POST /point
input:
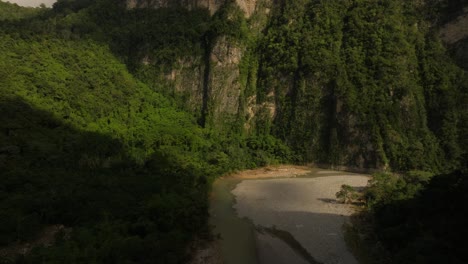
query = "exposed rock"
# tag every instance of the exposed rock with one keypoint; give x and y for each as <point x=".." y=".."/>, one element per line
<point x="456" y="29"/>
<point x="248" y="6"/>
<point x="211" y="5"/>
<point x="187" y="77"/>
<point x="210" y="86"/>
<point x="254" y="109"/>
<point x="455" y="35"/>
<point x="224" y="85"/>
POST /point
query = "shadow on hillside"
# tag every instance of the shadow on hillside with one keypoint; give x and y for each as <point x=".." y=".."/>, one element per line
<point x="52" y="173"/>
<point x="33" y="138"/>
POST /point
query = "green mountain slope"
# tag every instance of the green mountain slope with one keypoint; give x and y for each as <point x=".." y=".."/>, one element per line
<point x="367" y="81"/>
<point x="85" y="145"/>
<point x="10" y="11"/>
<point x="357" y="83"/>
<point x="114" y="121"/>
<point x="78" y="136"/>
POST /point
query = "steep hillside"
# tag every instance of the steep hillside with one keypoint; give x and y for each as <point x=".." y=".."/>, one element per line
<point x="247" y="6"/>
<point x="354" y="83"/>
<point x="14" y="12"/>
<point x="370" y="69"/>
<point x="80" y="145"/>
<point x="117" y="115"/>
<point x="87" y="147"/>
<point x="455" y="34"/>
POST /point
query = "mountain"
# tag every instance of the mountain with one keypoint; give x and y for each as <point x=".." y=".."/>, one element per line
<point x="349" y="83"/>
<point x="118" y="115"/>
<point x="247" y="6"/>
<point x="454" y="33"/>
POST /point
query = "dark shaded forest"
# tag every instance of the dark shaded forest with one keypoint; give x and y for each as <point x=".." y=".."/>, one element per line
<point x="416" y="217"/>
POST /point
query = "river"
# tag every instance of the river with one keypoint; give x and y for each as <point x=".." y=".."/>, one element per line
<point x="282" y="215"/>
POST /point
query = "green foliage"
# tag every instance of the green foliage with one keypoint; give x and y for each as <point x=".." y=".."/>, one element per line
<point x="229" y="21"/>
<point x="83" y="84"/>
<point x="347" y="194"/>
<point x="386" y="188"/>
<point x="79" y="136"/>
<point x="359" y="83"/>
<point x="162" y="36"/>
<point x="418" y="220"/>
<point x="9" y="11"/>
<point x="362" y="83"/>
<point x="354" y="82"/>
<point x="85" y="145"/>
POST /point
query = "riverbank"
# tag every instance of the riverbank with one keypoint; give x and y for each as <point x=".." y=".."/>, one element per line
<point x="288" y="214"/>
<point x="303" y="207"/>
<point x="280" y="171"/>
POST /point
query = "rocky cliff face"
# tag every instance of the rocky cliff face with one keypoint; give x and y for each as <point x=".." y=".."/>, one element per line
<point x="455" y="34"/>
<point x="334" y="90"/>
<point x="224" y="87"/>
<point x="456" y="29"/>
<point x="248" y="6"/>
<point x="211" y="5"/>
<point x="211" y="85"/>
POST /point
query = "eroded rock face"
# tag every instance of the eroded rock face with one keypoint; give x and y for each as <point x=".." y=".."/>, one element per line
<point x="455" y="35"/>
<point x="187" y="78"/>
<point x="211" y="5"/>
<point x="456" y="29"/>
<point x="224" y="85"/>
<point x="210" y="83"/>
<point x="248" y="6"/>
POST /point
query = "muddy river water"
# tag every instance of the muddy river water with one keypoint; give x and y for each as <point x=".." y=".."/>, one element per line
<point x="286" y="218"/>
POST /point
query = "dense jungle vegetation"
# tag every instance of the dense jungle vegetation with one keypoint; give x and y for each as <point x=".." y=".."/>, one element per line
<point x="364" y="83"/>
<point x="415" y="217"/>
<point x="93" y="139"/>
<point x="14" y="12"/>
<point x="85" y="144"/>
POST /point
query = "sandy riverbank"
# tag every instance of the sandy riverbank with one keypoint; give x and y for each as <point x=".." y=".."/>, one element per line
<point x="293" y="210"/>
<point x="303" y="207"/>
<point x="281" y="171"/>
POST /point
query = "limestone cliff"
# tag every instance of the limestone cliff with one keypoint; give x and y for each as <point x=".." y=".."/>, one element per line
<point x="314" y="76"/>
<point x="212" y="84"/>
<point x="248" y="6"/>
<point x="456" y="29"/>
<point x="224" y="87"/>
<point x="455" y="34"/>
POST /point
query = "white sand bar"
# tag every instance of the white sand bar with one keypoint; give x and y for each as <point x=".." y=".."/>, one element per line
<point x="304" y="207"/>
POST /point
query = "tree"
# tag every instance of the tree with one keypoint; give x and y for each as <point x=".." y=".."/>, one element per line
<point x="347" y="194"/>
